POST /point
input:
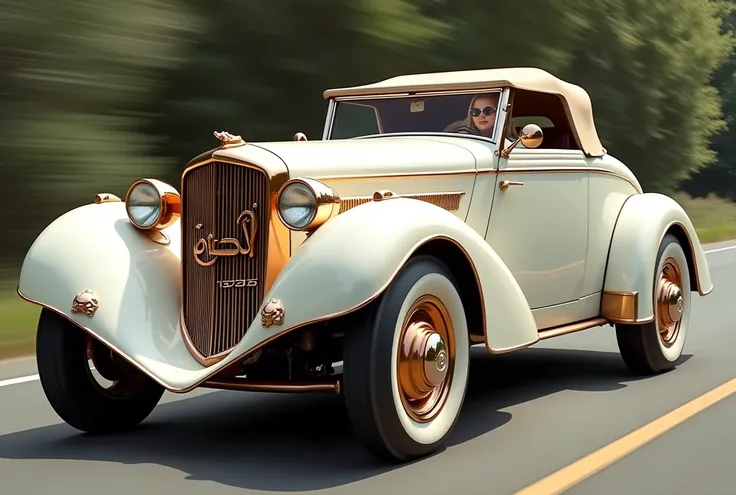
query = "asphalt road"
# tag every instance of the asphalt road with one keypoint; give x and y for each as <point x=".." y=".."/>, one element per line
<point x="527" y="415"/>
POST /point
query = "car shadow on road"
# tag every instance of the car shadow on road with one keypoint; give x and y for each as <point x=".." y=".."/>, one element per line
<point x="297" y="442"/>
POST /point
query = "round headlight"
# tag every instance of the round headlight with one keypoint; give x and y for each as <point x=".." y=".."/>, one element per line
<point x="152" y="204"/>
<point x="297" y="205"/>
<point x="305" y="204"/>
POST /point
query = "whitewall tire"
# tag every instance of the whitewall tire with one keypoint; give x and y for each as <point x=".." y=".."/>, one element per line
<point x="406" y="366"/>
<point x="654" y="347"/>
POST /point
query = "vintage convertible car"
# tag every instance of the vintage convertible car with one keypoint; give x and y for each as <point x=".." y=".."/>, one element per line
<point x="437" y="212"/>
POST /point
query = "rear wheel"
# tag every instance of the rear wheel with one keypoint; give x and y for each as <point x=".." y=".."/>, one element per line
<point x="655" y="347"/>
<point x="406" y="367"/>
<point x="63" y="353"/>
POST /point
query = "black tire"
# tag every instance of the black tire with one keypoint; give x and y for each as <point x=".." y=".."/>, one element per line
<point x="74" y="393"/>
<point x="373" y="390"/>
<point x="643" y="347"/>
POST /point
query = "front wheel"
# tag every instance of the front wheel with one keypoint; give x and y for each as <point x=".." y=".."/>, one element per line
<point x="406" y="367"/>
<point x="655" y="346"/>
<point x="63" y="352"/>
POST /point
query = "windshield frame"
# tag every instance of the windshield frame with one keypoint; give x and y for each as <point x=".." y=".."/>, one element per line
<point x="334" y="102"/>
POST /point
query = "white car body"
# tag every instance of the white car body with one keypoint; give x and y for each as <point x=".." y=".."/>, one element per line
<point x="550" y="239"/>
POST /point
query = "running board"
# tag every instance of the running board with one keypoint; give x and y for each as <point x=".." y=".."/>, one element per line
<point x="272" y="386"/>
<point x="572" y="328"/>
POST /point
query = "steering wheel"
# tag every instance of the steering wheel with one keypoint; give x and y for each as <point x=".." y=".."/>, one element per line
<point x="464" y="130"/>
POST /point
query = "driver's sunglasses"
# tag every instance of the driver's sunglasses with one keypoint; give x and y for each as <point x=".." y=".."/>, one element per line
<point x="487" y="111"/>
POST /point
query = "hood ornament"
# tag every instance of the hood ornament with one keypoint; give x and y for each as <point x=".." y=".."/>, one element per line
<point x="229" y="140"/>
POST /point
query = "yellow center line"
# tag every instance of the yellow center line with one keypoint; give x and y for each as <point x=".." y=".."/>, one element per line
<point x="589" y="465"/>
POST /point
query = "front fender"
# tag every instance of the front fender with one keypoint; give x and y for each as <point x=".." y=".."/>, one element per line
<point x="343" y="265"/>
<point x="352" y="258"/>
<point x="629" y="284"/>
<point x="137" y="282"/>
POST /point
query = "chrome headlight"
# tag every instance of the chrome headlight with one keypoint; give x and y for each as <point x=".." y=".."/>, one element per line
<point x="152" y="204"/>
<point x="305" y="204"/>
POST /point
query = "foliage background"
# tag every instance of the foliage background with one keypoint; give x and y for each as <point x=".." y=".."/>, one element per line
<point x="95" y="95"/>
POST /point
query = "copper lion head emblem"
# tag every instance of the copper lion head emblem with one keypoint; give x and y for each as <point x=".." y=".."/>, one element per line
<point x="272" y="313"/>
<point x="86" y="302"/>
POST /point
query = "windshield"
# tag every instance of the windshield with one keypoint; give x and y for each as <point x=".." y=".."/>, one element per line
<point x="456" y="113"/>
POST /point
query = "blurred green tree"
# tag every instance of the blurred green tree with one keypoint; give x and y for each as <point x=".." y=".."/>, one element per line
<point x="260" y="68"/>
<point x="76" y="79"/>
<point x="94" y="98"/>
<point x="646" y="64"/>
<point x="720" y="178"/>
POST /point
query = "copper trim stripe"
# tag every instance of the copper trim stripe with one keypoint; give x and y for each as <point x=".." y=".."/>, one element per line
<point x="568" y="170"/>
<point x="448" y="200"/>
<point x="402" y="175"/>
<point x="273" y="386"/>
<point x="695" y="276"/>
<point x="569" y="328"/>
<point x="94" y="334"/>
<point x="510" y="170"/>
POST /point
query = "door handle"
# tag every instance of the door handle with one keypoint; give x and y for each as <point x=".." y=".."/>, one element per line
<point x="505" y="184"/>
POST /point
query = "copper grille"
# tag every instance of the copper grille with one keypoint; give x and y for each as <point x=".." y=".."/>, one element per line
<point x="214" y="196"/>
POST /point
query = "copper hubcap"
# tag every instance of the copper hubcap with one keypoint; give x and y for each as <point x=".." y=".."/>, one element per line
<point x="426" y="358"/>
<point x="670" y="304"/>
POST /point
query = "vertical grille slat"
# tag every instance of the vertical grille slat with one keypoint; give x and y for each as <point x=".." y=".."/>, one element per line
<point x="214" y="196"/>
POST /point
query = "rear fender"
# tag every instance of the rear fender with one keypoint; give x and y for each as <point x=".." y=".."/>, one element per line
<point x="644" y="220"/>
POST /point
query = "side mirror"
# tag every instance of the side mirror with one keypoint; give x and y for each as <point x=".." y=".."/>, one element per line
<point x="531" y="137"/>
<point x="300" y="136"/>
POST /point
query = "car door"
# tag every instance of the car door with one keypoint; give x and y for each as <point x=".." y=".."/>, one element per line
<point x="539" y="222"/>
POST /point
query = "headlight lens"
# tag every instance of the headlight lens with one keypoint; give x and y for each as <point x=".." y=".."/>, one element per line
<point x="297" y="205"/>
<point x="144" y="205"/>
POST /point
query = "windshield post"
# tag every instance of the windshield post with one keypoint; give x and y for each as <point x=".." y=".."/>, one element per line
<point x="329" y="119"/>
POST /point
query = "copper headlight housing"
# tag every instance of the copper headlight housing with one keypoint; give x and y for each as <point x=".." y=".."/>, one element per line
<point x="305" y="204"/>
<point x="152" y="204"/>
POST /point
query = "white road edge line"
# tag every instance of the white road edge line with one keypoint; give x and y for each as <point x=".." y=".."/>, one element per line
<point x="16" y="381"/>
<point x="32" y="378"/>
<point x="719" y="249"/>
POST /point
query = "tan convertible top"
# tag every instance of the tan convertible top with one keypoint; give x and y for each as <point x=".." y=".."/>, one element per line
<point x="576" y="99"/>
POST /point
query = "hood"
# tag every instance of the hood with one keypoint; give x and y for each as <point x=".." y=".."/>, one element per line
<point x="377" y="156"/>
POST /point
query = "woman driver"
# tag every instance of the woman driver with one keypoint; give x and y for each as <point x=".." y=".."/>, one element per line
<point x="481" y="117"/>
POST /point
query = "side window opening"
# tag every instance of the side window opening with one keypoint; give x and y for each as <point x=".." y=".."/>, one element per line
<point x="548" y="112"/>
<point x="542" y="122"/>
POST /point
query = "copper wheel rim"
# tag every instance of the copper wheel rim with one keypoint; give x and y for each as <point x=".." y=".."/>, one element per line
<point x="125" y="380"/>
<point x="670" y="303"/>
<point x="426" y="359"/>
